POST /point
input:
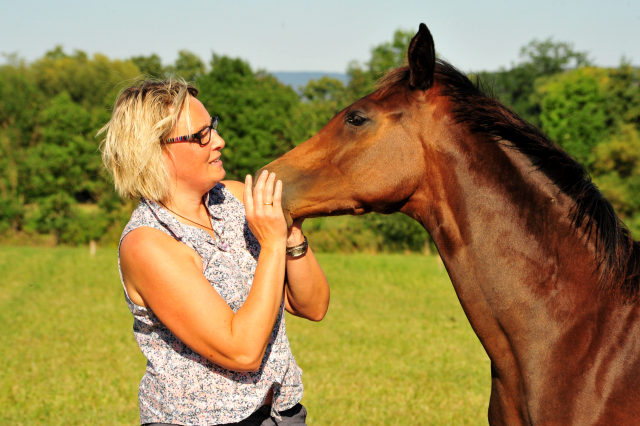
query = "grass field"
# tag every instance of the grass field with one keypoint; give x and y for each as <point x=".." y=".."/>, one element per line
<point x="394" y="349"/>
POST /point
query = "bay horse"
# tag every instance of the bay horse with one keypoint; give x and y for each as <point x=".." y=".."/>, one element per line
<point x="546" y="273"/>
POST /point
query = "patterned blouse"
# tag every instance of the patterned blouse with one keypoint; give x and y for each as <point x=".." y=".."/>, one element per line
<point x="180" y="386"/>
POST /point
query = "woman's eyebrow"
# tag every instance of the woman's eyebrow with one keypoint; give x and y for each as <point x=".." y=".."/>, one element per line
<point x="206" y="125"/>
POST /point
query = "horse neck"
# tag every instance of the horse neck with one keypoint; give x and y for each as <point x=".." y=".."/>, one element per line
<point x="505" y="235"/>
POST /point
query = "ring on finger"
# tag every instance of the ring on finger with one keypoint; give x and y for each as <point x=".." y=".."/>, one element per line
<point x="267" y="204"/>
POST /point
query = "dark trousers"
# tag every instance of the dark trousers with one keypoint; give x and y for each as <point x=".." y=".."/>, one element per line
<point x="294" y="416"/>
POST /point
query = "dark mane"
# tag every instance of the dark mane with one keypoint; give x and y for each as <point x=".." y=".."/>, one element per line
<point x="617" y="254"/>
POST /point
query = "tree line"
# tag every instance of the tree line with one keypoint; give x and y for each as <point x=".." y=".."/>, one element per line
<point x="53" y="186"/>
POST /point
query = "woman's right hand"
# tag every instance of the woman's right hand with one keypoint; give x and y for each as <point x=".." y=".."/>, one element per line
<point x="263" y="209"/>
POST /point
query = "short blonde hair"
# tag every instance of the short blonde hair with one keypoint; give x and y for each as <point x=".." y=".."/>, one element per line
<point x="143" y="117"/>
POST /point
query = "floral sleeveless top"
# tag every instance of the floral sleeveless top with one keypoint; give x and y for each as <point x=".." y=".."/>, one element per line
<point x="180" y="386"/>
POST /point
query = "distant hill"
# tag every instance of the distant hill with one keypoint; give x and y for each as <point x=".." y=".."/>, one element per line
<point x="296" y="79"/>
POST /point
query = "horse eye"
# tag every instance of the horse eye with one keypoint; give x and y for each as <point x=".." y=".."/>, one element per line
<point x="356" y="120"/>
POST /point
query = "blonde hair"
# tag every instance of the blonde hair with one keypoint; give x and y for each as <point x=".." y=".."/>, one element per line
<point x="143" y="117"/>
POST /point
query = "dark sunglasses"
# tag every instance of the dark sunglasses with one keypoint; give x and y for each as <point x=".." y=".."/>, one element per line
<point x="203" y="137"/>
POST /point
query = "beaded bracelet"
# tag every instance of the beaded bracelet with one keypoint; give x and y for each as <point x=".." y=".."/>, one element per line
<point x="299" y="250"/>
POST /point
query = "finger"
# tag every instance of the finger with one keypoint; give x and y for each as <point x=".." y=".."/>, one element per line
<point x="268" y="189"/>
<point x="277" y="197"/>
<point x="247" y="196"/>
<point x="257" y="192"/>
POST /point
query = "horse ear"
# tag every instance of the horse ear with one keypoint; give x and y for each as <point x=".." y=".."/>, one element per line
<point x="422" y="59"/>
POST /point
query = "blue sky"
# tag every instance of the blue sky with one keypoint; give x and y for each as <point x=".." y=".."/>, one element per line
<point x="318" y="35"/>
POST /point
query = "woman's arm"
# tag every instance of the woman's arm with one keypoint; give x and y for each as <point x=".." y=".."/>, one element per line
<point x="167" y="276"/>
<point x="306" y="288"/>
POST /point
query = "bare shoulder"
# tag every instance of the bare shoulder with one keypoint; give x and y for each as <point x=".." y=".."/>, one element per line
<point x="151" y="261"/>
<point x="144" y="237"/>
<point x="149" y="245"/>
<point x="235" y="187"/>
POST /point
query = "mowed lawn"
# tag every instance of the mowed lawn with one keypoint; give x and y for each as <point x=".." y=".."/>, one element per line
<point x="394" y="349"/>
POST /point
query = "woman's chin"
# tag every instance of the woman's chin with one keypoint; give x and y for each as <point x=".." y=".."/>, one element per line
<point x="219" y="175"/>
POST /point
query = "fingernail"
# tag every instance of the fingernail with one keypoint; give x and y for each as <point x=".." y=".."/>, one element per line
<point x="264" y="172"/>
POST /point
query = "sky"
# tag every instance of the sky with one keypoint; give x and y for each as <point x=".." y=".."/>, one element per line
<point x="306" y="35"/>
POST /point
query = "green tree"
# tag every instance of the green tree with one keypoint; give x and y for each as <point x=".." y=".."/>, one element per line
<point x="20" y="101"/>
<point x="539" y="59"/>
<point x="188" y="66"/>
<point x="594" y="113"/>
<point x="399" y="232"/>
<point x="573" y="111"/>
<point x="321" y="100"/>
<point x="384" y="57"/>
<point x="64" y="157"/>
<point x="255" y="112"/>
<point x="92" y="83"/>
<point x="325" y="97"/>
<point x="622" y="95"/>
<point x="616" y="171"/>
<point x="61" y="169"/>
<point x="50" y="168"/>
<point x="51" y="179"/>
<point x="150" y="66"/>
<point x="390" y="54"/>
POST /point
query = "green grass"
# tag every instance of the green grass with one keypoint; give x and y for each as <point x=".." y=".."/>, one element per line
<point x="394" y="349"/>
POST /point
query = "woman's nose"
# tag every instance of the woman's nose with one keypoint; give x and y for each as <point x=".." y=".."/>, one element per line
<point x="216" y="141"/>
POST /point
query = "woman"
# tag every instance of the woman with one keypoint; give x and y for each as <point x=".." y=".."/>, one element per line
<point x="206" y="277"/>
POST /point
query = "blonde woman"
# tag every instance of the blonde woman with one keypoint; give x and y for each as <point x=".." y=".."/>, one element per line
<point x="207" y="277"/>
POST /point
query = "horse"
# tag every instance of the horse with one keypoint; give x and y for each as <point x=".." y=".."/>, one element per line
<point x="547" y="274"/>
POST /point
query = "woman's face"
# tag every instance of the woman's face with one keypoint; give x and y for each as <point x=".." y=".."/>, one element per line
<point x="193" y="167"/>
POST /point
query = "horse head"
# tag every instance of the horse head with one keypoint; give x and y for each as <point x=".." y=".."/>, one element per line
<point x="367" y="157"/>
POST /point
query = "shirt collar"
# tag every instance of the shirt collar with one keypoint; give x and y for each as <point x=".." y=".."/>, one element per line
<point x="214" y="208"/>
<point x="176" y="227"/>
<point x="165" y="218"/>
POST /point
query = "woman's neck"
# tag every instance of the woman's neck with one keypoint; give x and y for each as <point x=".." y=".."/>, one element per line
<point x="189" y="205"/>
<point x="190" y="209"/>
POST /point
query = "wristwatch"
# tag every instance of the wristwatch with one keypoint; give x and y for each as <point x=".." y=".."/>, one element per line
<point x="299" y="250"/>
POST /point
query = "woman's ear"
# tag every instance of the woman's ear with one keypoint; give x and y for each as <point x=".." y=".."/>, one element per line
<point x="422" y="59"/>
